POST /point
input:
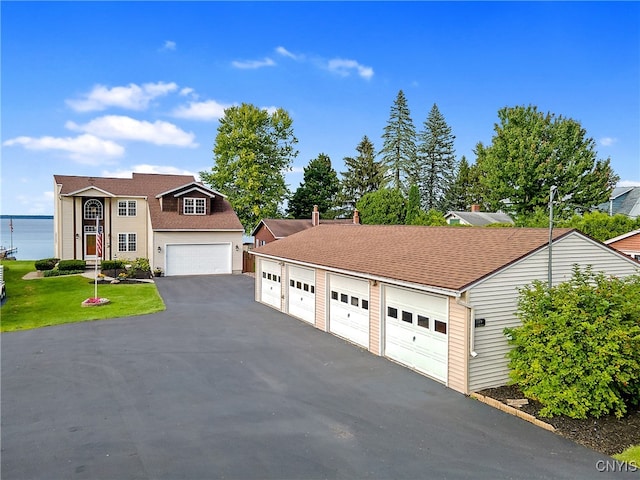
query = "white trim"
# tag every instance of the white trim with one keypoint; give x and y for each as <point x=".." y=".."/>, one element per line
<point x="90" y="187"/>
<point x="195" y="189"/>
<point x="202" y="188"/>
<point x="622" y="237"/>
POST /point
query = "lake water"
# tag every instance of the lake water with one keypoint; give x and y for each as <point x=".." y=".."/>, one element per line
<point x="33" y="236"/>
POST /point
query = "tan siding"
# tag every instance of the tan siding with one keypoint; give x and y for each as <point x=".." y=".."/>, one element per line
<point x="321" y="301"/>
<point x="458" y="347"/>
<point x="375" y="319"/>
<point x="66" y="235"/>
<point x="496" y="300"/>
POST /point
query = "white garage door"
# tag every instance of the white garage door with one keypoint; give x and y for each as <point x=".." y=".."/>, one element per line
<point x="198" y="259"/>
<point x="302" y="289"/>
<point x="349" y="309"/>
<point x="270" y="286"/>
<point x="416" y="330"/>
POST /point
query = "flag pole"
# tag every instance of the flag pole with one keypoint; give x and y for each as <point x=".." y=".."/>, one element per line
<point x="95" y="292"/>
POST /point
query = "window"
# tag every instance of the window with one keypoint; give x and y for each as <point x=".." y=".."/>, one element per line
<point x="298" y="285"/>
<point x="344" y="298"/>
<point x="269" y="276"/>
<point x="440" y="327"/>
<point x="365" y="304"/>
<point x="355" y="301"/>
<point x="313" y="290"/>
<point x="423" y="321"/>
<point x="306" y="287"/>
<point x="392" y="312"/>
<point x="454" y="221"/>
<point x="334" y="295"/>
<point x="292" y="283"/>
<point x="264" y="274"/>
<point x="92" y="210"/>
<point x="194" y="206"/>
<point x="127" y="208"/>
<point x="127" y="242"/>
<point x="407" y="317"/>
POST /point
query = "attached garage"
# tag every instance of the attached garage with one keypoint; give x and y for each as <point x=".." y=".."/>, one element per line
<point x="198" y="259"/>
<point x="270" y="283"/>
<point x="416" y="330"/>
<point x="302" y="293"/>
<point x="349" y="308"/>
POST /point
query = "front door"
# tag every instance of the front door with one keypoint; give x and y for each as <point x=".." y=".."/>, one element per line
<point x="89" y="242"/>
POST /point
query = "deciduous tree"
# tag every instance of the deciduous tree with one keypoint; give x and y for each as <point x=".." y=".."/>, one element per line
<point x="383" y="207"/>
<point x="530" y="152"/>
<point x="253" y="149"/>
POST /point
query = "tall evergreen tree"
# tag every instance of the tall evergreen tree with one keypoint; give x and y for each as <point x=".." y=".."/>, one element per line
<point x="399" y="147"/>
<point x="436" y="160"/>
<point x="465" y="189"/>
<point x="319" y="187"/>
<point x="364" y="175"/>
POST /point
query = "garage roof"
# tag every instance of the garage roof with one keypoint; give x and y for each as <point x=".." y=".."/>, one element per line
<point x="444" y="257"/>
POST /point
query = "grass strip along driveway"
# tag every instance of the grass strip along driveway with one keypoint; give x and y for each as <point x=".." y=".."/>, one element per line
<point x="49" y="301"/>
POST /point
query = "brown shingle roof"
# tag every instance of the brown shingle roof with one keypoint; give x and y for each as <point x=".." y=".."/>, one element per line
<point x="283" y="227"/>
<point x="150" y="185"/>
<point x="445" y="257"/>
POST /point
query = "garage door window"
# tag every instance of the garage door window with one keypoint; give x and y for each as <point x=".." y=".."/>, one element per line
<point x="365" y="304"/>
<point x="392" y="312"/>
<point x="334" y="295"/>
<point x="423" y="321"/>
<point x="440" y="327"/>
<point x="407" y="317"/>
<point x="355" y="301"/>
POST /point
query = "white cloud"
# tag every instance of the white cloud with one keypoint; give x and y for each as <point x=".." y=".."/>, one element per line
<point x="127" y="128"/>
<point x="607" y="141"/>
<point x="253" y="64"/>
<point x="146" y="168"/>
<point x="286" y="53"/>
<point x="207" y="110"/>
<point x="344" y="67"/>
<point x="186" y="91"/>
<point x="132" y="96"/>
<point x="87" y="148"/>
<point x="169" y="45"/>
<point x="34" y="204"/>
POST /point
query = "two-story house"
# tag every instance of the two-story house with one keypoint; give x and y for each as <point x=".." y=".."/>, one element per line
<point x="179" y="224"/>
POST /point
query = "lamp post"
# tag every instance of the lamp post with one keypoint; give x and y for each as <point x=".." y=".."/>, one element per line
<point x="550" y="267"/>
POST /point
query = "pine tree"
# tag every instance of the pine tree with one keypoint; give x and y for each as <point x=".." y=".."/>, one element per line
<point x="319" y="187"/>
<point x="436" y="160"/>
<point x="399" y="147"/>
<point x="460" y="195"/>
<point x="364" y="175"/>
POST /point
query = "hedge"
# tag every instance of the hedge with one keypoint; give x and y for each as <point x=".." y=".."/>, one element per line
<point x="46" y="264"/>
<point x="66" y="265"/>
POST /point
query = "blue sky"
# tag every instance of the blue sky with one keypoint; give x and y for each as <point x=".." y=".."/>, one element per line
<point x="92" y="88"/>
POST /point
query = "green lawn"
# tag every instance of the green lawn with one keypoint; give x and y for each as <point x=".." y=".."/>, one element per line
<point x="631" y="455"/>
<point x="52" y="301"/>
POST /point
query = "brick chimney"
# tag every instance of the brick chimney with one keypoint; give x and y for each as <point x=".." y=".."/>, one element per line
<point x="475" y="207"/>
<point x="356" y="217"/>
<point x="315" y="217"/>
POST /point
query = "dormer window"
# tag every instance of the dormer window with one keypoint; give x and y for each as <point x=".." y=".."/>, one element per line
<point x="194" y="206"/>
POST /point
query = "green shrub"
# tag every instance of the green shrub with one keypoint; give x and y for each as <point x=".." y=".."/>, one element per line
<point x="112" y="265"/>
<point x="66" y="265"/>
<point x="578" y="349"/>
<point x="57" y="273"/>
<point x="46" y="264"/>
<point x="140" y="268"/>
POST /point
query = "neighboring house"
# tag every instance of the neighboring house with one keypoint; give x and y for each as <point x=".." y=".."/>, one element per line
<point x="476" y="218"/>
<point x="629" y="244"/>
<point x="623" y="200"/>
<point x="180" y="225"/>
<point x="436" y="299"/>
<point x="271" y="229"/>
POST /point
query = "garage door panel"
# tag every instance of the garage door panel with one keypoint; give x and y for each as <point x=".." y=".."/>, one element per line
<point x="198" y="259"/>
<point x="270" y="284"/>
<point x="349" y="309"/>
<point x="416" y="331"/>
<point x="302" y="298"/>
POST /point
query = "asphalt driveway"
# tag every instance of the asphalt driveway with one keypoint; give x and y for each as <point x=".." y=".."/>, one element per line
<point x="219" y="386"/>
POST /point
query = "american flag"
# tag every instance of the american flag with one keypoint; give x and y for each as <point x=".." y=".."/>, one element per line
<point x="99" y="244"/>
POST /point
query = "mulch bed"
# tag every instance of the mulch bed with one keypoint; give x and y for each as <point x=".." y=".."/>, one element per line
<point x="608" y="434"/>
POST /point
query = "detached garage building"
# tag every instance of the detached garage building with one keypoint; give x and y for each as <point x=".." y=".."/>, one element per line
<point x="180" y="225"/>
<point x="435" y="299"/>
